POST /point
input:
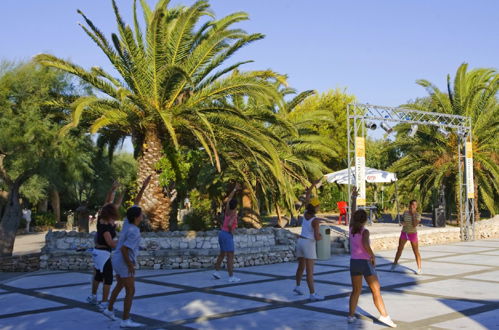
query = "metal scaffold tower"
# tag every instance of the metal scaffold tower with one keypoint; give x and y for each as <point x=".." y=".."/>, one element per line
<point x="363" y="116"/>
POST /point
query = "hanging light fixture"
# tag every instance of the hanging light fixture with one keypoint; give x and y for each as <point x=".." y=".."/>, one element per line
<point x="371" y="125"/>
<point x="412" y="132"/>
<point x="462" y="133"/>
<point x="444" y="132"/>
<point x="386" y="127"/>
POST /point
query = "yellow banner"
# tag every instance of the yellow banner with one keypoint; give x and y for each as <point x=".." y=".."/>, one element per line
<point x="360" y="147"/>
<point x="360" y="169"/>
<point x="470" y="185"/>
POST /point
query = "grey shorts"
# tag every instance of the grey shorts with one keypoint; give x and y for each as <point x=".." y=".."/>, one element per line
<point x="361" y="267"/>
<point x="305" y="248"/>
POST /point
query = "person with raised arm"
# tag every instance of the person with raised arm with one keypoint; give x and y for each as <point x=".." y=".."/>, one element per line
<point x="226" y="237"/>
<point x="306" y="244"/>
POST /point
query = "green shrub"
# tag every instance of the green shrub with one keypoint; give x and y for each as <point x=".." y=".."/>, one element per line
<point x="44" y="219"/>
<point x="198" y="220"/>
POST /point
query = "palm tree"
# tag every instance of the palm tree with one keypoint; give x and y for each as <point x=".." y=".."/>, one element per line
<point x="431" y="159"/>
<point x="171" y="88"/>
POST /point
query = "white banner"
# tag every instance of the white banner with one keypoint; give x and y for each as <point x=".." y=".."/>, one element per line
<point x="360" y="169"/>
<point x="470" y="185"/>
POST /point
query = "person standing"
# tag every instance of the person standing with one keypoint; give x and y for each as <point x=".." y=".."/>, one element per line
<point x="104" y="244"/>
<point x="226" y="237"/>
<point x="411" y="220"/>
<point x="124" y="262"/>
<point x="83" y="212"/>
<point x="306" y="248"/>
<point x="362" y="264"/>
<point x="27" y="217"/>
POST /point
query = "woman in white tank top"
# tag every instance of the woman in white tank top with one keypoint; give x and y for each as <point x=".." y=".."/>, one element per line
<point x="305" y="249"/>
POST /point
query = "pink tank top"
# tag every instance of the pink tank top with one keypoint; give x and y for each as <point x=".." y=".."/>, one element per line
<point x="357" y="250"/>
<point x="227" y="218"/>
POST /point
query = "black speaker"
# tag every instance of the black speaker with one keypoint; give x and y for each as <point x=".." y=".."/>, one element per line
<point x="439" y="217"/>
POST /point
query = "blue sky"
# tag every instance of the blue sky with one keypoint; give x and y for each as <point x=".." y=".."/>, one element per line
<point x="374" y="49"/>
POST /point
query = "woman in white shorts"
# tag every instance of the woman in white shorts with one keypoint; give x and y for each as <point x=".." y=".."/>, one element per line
<point x="305" y="249"/>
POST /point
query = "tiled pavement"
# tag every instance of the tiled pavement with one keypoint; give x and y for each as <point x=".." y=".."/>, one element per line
<point x="459" y="289"/>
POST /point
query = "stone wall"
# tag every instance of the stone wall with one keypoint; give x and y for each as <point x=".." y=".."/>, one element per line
<point x="24" y="263"/>
<point x="170" y="250"/>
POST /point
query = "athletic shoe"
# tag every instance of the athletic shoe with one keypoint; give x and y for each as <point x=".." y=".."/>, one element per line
<point x="234" y="279"/>
<point x="394" y="265"/>
<point x="315" y="297"/>
<point x="92" y="299"/>
<point x="351" y="319"/>
<point x="109" y="314"/>
<point x="128" y="323"/>
<point x="387" y="320"/>
<point x="103" y="305"/>
<point x="298" y="291"/>
<point x="419" y="272"/>
<point x="216" y="275"/>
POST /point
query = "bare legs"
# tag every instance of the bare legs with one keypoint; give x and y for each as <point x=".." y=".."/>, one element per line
<point x="372" y="281"/>
<point x="129" y="284"/>
<point x="230" y="262"/>
<point x="415" y="249"/>
<point x="307" y="264"/>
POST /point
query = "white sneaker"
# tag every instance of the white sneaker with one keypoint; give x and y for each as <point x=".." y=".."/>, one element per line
<point x="234" y="279"/>
<point x="419" y="272"/>
<point x="298" y="291"/>
<point x="92" y="299"/>
<point x="128" y="323"/>
<point x="351" y="319"/>
<point x="216" y="275"/>
<point x="315" y="297"/>
<point x="387" y="320"/>
<point x="109" y="314"/>
<point x="393" y="267"/>
<point x="103" y="305"/>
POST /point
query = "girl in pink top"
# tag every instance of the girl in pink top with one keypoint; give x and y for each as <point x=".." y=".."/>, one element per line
<point x="362" y="263"/>
<point x="226" y="237"/>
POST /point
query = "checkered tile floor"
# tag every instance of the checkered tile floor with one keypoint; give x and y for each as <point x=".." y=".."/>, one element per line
<point x="459" y="289"/>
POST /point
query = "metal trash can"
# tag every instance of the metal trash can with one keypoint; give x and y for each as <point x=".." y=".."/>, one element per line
<point x="323" y="246"/>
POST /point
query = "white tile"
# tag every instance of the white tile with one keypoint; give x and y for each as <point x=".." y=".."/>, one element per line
<point x="188" y="305"/>
<point x="436" y="268"/>
<point x="487" y="320"/>
<point x="54" y="279"/>
<point x="279" y="319"/>
<point x="81" y="292"/>
<point x="205" y="279"/>
<point x="464" y="289"/>
<point x="282" y="290"/>
<point x="73" y="319"/>
<point x="16" y="302"/>
<point x="472" y="259"/>
<point x="489" y="276"/>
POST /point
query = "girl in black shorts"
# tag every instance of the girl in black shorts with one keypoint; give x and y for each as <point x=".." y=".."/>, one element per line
<point x="104" y="243"/>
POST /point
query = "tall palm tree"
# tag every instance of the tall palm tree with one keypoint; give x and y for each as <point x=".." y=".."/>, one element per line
<point x="172" y="84"/>
<point x="432" y="160"/>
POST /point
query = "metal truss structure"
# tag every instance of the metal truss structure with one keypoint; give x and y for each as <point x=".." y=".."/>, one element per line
<point x="360" y="115"/>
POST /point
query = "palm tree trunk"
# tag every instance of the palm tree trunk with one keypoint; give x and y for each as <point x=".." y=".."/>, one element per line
<point x="155" y="203"/>
<point x="10" y="220"/>
<point x="55" y="201"/>
<point x="250" y="217"/>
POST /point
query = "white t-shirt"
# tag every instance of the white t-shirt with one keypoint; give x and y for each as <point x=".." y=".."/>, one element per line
<point x="27" y="215"/>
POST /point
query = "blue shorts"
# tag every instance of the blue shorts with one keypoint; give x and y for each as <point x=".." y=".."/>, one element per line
<point x="361" y="267"/>
<point x="226" y="241"/>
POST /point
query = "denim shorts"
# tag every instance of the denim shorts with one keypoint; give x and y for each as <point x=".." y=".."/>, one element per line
<point x="226" y="241"/>
<point x="361" y="267"/>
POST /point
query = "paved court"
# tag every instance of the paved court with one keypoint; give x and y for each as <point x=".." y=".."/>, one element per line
<point x="459" y="289"/>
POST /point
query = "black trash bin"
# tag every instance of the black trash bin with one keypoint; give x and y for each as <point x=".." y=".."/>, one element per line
<point x="439" y="217"/>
